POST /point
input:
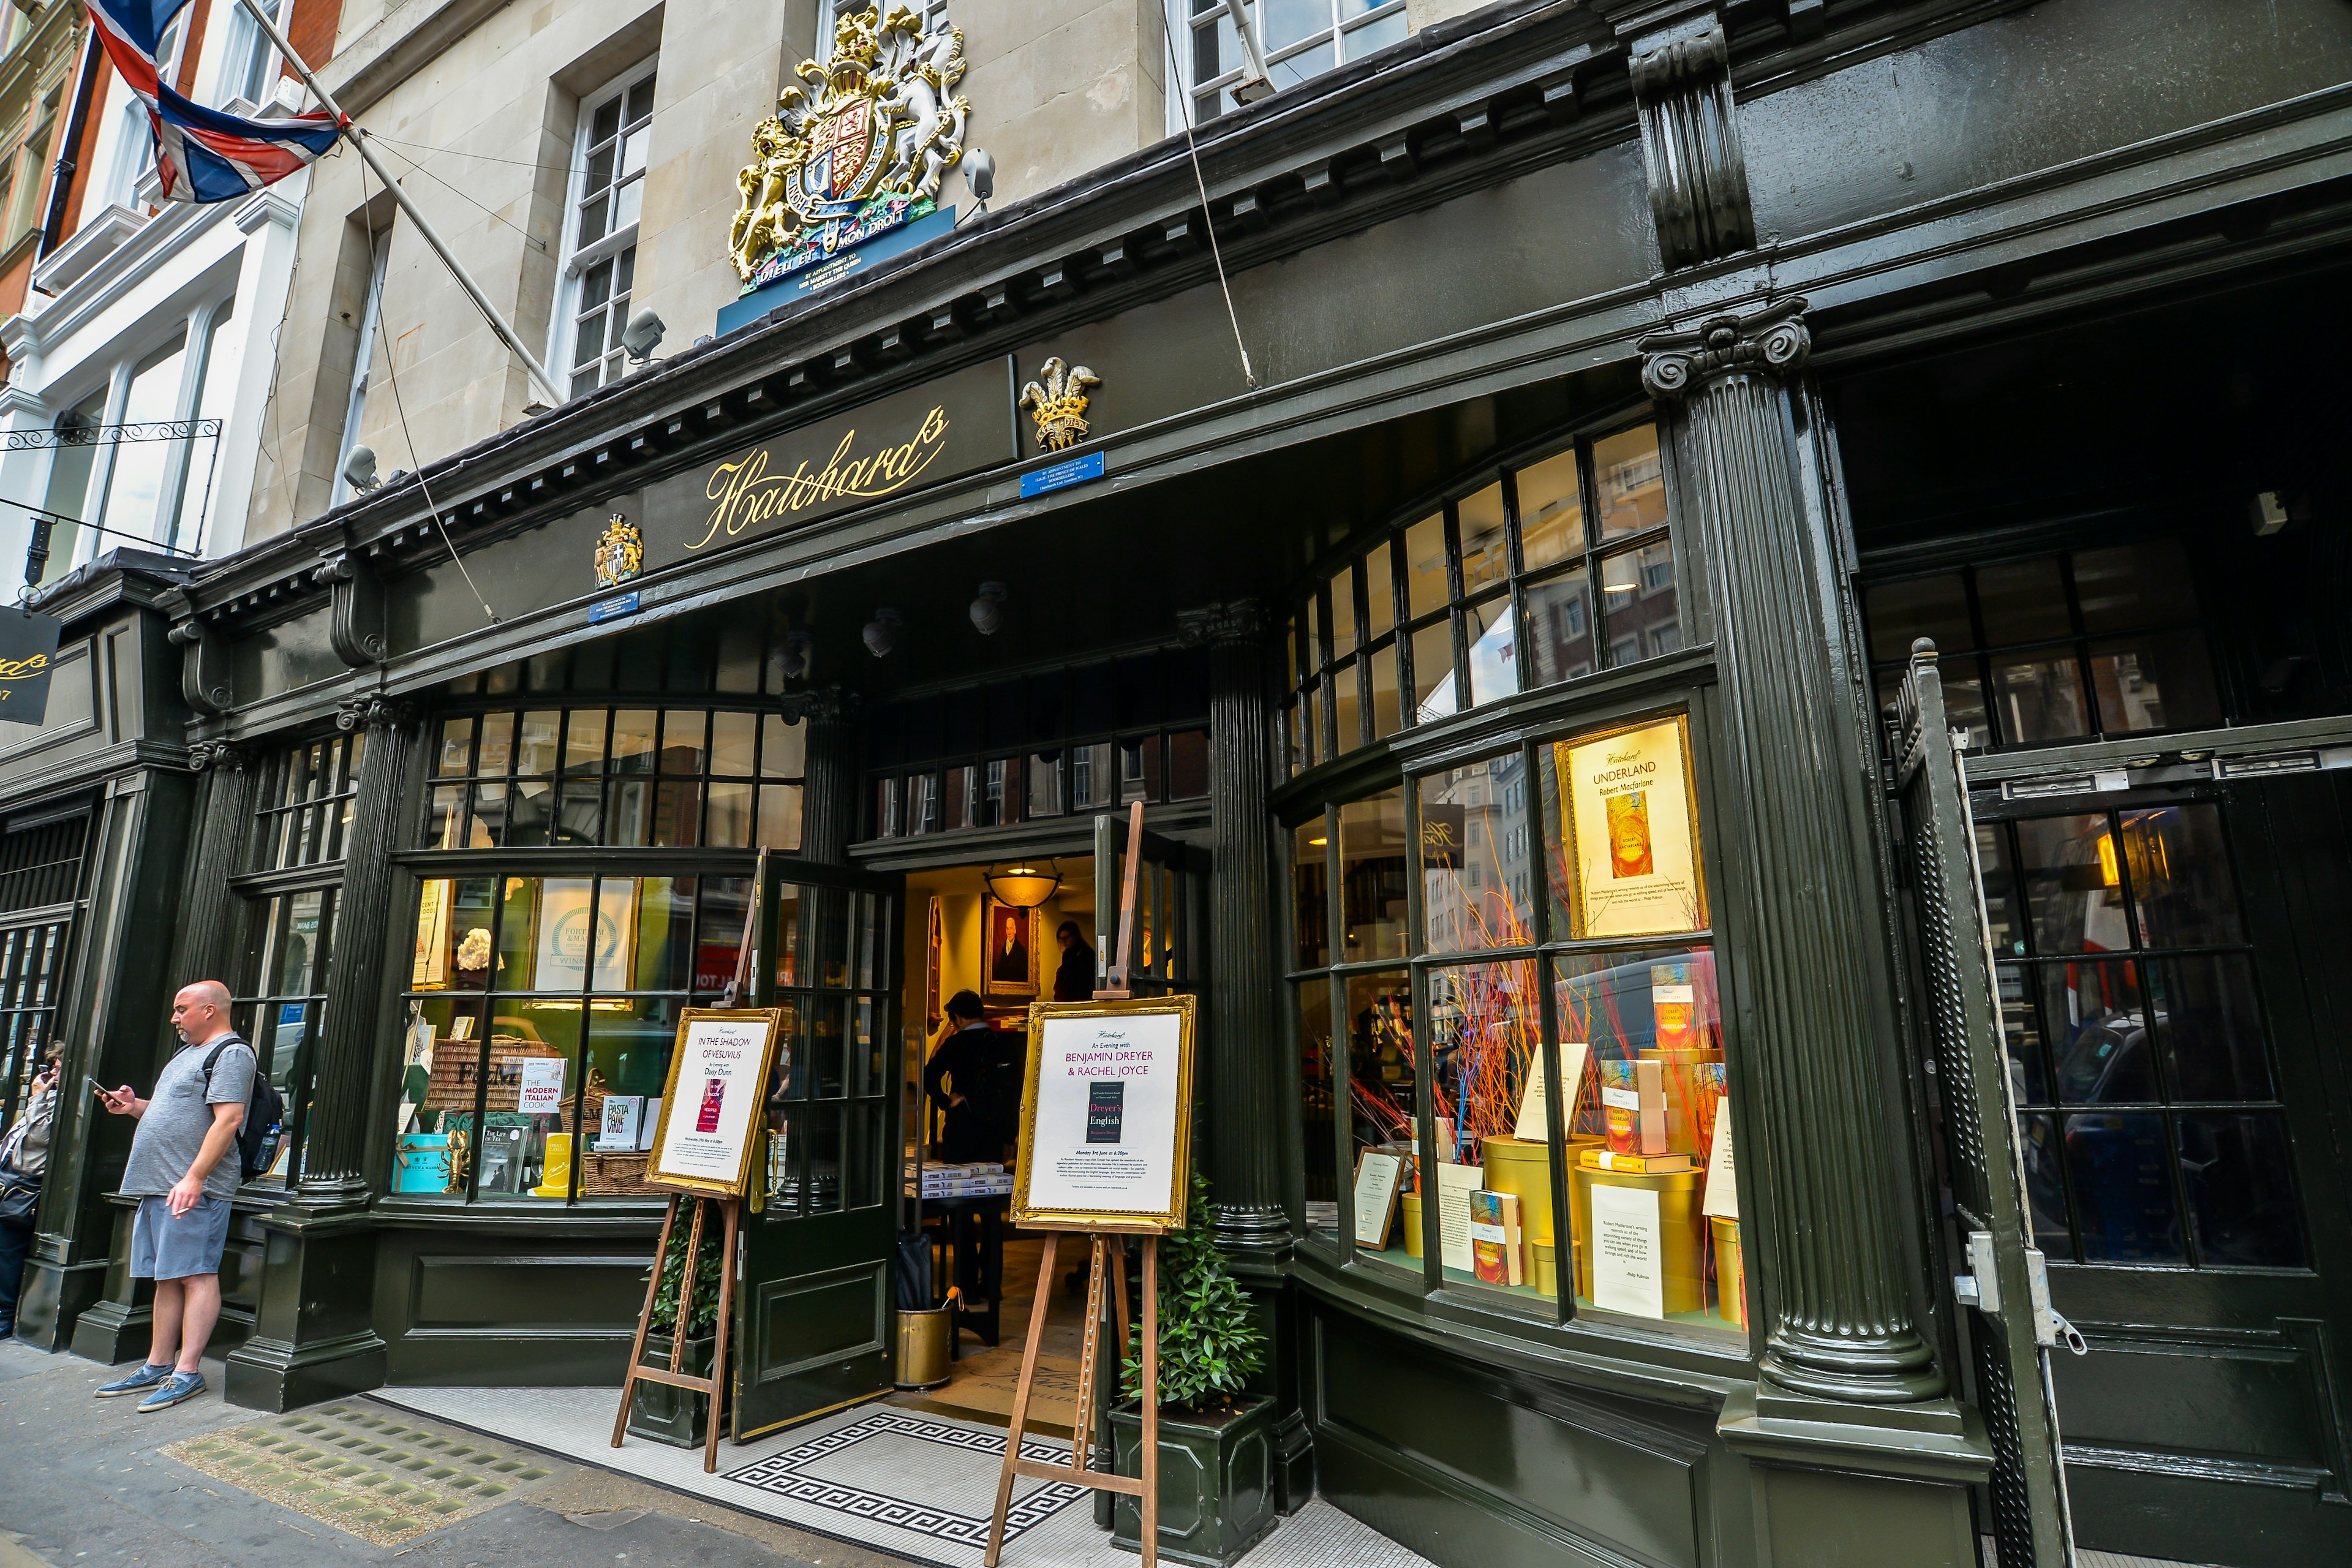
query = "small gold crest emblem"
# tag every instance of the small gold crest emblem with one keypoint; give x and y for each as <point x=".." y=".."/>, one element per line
<point x="1058" y="402"/>
<point x="620" y="554"/>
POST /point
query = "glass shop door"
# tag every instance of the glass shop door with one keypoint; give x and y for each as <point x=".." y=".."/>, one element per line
<point x="1170" y="896"/>
<point x="2173" y="987"/>
<point x="814" y="1299"/>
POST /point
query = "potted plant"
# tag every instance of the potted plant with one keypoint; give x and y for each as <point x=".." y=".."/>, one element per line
<point x="677" y="1416"/>
<point x="1216" y="1438"/>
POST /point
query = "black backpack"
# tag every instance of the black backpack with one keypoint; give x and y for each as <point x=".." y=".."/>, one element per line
<point x="256" y="1140"/>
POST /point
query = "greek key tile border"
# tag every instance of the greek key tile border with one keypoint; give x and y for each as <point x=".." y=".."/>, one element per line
<point x="780" y="1475"/>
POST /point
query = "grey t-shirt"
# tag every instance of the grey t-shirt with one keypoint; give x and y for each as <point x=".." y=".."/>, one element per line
<point x="179" y="1114"/>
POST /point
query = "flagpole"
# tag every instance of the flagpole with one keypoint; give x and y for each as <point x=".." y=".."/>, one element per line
<point x="358" y="139"/>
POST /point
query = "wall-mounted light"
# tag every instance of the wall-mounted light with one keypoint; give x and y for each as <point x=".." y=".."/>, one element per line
<point x="881" y="633"/>
<point x="1025" y="887"/>
<point x="988" y="609"/>
<point x="795" y="660"/>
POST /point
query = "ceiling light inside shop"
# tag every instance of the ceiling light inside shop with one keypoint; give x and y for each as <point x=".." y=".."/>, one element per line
<point x="1025" y="887"/>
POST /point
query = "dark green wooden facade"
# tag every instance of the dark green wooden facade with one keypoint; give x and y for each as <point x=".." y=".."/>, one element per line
<point x="1810" y="239"/>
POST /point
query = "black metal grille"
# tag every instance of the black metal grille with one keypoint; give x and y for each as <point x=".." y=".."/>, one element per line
<point x="42" y="866"/>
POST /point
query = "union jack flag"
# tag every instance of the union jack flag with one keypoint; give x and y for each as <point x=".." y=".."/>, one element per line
<point x="202" y="154"/>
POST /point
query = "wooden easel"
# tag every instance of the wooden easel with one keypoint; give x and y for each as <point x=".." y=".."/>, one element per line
<point x="711" y="1385"/>
<point x="1103" y="1249"/>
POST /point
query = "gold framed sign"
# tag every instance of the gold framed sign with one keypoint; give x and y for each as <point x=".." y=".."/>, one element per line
<point x="708" y="1139"/>
<point x="1630" y="823"/>
<point x="1107" y="1116"/>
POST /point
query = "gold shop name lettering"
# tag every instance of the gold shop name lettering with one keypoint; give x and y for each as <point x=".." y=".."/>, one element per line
<point x="23" y="668"/>
<point x="747" y="495"/>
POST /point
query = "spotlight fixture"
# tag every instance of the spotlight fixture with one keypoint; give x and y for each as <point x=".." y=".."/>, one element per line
<point x="881" y="633"/>
<point x="794" y="662"/>
<point x="642" y="336"/>
<point x="978" y="176"/>
<point x="988" y="609"/>
<point x="1023" y="886"/>
<point x="359" y="470"/>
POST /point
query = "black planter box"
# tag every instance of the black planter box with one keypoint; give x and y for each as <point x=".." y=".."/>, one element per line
<point x="667" y="1414"/>
<point x="1216" y="1481"/>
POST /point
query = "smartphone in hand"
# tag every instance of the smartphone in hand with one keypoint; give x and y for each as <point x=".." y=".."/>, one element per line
<point x="99" y="1089"/>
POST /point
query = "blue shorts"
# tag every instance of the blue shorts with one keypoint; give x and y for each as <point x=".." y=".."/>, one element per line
<point x="164" y="1246"/>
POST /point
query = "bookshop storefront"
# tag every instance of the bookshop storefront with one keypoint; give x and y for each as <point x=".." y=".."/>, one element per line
<point x="1503" y="682"/>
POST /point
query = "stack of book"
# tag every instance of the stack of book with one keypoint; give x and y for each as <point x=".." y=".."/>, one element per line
<point x="1498" y="1248"/>
<point x="981" y="1178"/>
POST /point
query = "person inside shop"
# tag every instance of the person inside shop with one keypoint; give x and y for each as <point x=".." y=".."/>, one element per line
<point x="24" y="1156"/>
<point x="1074" y="980"/>
<point x="184" y="1170"/>
<point x="974" y="1078"/>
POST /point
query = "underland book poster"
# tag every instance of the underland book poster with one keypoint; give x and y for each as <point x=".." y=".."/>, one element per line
<point x="1632" y="830"/>
<point x="1105" y="1125"/>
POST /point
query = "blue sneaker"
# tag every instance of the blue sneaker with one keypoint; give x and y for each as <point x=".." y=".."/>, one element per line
<point x="179" y="1386"/>
<point x="139" y="1382"/>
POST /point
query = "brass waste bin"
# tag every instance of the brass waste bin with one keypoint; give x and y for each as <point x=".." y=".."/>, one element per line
<point x="924" y="1338"/>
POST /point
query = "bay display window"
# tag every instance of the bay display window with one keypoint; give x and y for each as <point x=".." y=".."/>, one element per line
<point x="2066" y="646"/>
<point x="1513" y="1052"/>
<point x="672" y="776"/>
<point x="2149" y="1108"/>
<point x="1550" y="571"/>
<point x="302" y="818"/>
<point x="538" y="1025"/>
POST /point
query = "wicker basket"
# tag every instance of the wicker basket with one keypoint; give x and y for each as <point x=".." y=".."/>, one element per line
<point x="611" y="1173"/>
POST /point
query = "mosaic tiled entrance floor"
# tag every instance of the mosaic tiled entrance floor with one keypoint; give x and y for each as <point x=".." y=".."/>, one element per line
<point x="360" y="1471"/>
<point x="916" y="1485"/>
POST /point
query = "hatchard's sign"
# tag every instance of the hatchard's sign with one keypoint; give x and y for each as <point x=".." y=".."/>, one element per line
<point x="28" y="648"/>
<point x="901" y="444"/>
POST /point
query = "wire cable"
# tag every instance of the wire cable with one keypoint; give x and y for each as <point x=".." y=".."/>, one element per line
<point x="391" y="374"/>
<point x="1176" y="78"/>
<point x="416" y="167"/>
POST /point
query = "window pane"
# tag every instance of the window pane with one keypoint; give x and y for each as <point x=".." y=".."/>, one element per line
<point x="2000" y="889"/>
<point x="1188" y="759"/>
<point x="527" y="1151"/>
<point x="1092" y="783"/>
<point x="1310" y="917"/>
<point x="2211" y="1027"/>
<point x="2045" y="1186"/>
<point x="2098" y="1033"/>
<point x="490" y="816"/>
<point x="445" y="817"/>
<point x="453" y="934"/>
<point x="531" y="813"/>
<point x="1640" y="598"/>
<point x="535" y="742"/>
<point x="1380" y="35"/>
<point x="1901" y="613"/>
<point x="1387" y="710"/>
<point x="1299" y="66"/>
<point x="2181" y="877"/>
<point x="2122" y="1176"/>
<point x="1620" y="844"/>
<point x="1494" y="651"/>
<point x="1379" y="1023"/>
<point x="2020" y="1033"/>
<point x="1318" y="1102"/>
<point x="2073" y="886"/>
<point x="1551" y="511"/>
<point x="780" y="817"/>
<point x="1045" y="784"/>
<point x="1287" y="22"/>
<point x="784" y="747"/>
<point x="1344" y="709"/>
<point x="2133" y="585"/>
<point x="1473" y="860"/>
<point x="633" y="741"/>
<point x="2240" y="1190"/>
<point x="1485" y="558"/>
<point x="497" y="746"/>
<point x="1379" y="586"/>
<point x="730" y="827"/>
<point x="1372" y="871"/>
<point x="1484" y="1024"/>
<point x="677" y="813"/>
<point x="629" y="1042"/>
<point x="1559" y="616"/>
<point x="2022" y="601"/>
<point x="1432" y="672"/>
<point x="1425" y="580"/>
<point x="457" y="748"/>
<point x="1310" y="728"/>
<point x="2041" y="698"/>
<point x="583" y="741"/>
<point x="733" y="737"/>
<point x="1631" y="483"/>
<point x="1343" y="613"/>
<point x="683" y="735"/>
<point x="2154" y="682"/>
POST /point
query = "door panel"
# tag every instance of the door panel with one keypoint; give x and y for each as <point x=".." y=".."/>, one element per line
<point x="2173" y="979"/>
<point x="814" y="1303"/>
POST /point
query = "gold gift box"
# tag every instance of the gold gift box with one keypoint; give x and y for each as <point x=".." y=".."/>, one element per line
<point x="1682" y="1229"/>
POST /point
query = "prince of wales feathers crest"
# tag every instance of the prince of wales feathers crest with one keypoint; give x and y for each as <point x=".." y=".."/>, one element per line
<point x="1057" y="405"/>
<point x="860" y="148"/>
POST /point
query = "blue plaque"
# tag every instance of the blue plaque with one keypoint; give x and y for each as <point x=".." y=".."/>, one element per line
<point x="1062" y="476"/>
<point x="614" y="608"/>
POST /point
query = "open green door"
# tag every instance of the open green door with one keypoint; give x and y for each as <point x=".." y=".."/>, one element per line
<point x="813" y="1300"/>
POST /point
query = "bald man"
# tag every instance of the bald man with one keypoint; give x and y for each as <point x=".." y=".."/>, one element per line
<point x="183" y="1171"/>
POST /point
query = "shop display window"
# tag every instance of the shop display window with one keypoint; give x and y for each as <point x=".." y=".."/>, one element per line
<point x="1513" y="1059"/>
<point x="719" y="778"/>
<point x="2138" y="1050"/>
<point x="1548" y="572"/>
<point x="2062" y="646"/>
<point x="278" y="1006"/>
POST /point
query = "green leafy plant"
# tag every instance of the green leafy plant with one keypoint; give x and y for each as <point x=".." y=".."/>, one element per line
<point x="1210" y="1344"/>
<point x="703" y="1317"/>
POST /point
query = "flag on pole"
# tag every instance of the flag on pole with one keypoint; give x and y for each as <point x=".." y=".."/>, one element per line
<point x="202" y="154"/>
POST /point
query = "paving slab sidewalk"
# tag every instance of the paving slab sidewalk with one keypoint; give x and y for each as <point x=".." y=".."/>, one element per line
<point x="91" y="1482"/>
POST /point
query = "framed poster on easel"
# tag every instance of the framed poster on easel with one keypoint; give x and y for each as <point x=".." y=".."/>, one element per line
<point x="1106" y="1152"/>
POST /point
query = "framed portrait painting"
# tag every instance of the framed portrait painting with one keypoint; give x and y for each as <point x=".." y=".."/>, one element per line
<point x="1009" y="960"/>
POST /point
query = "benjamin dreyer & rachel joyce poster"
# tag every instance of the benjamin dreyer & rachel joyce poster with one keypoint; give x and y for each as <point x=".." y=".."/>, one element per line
<point x="1105" y="1130"/>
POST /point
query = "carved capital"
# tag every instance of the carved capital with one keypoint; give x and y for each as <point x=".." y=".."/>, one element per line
<point x="1773" y="340"/>
<point x="823" y="705"/>
<point x="1690" y="141"/>
<point x="373" y="710"/>
<point x="1234" y="621"/>
<point x="217" y="753"/>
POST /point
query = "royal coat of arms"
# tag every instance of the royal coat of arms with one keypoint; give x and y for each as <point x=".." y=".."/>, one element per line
<point x="620" y="554"/>
<point x="859" y="148"/>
